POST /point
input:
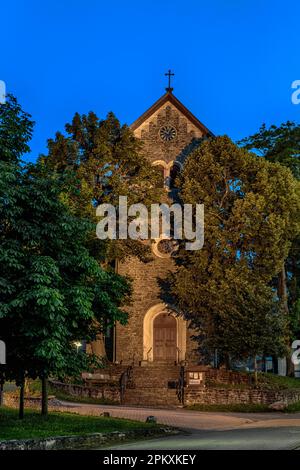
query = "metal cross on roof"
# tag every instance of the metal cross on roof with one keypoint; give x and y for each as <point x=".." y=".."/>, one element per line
<point x="169" y="74"/>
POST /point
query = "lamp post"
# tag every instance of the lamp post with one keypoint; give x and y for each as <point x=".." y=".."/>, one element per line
<point x="78" y="345"/>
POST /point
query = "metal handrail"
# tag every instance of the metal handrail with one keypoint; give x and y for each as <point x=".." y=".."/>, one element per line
<point x="180" y="385"/>
<point x="124" y="379"/>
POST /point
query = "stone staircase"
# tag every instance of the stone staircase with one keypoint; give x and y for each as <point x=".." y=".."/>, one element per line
<point x="153" y="385"/>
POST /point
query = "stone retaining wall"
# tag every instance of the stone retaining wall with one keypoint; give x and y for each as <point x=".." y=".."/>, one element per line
<point x="110" y="394"/>
<point x="12" y="401"/>
<point x="226" y="376"/>
<point x="83" y="442"/>
<point x="103" y="392"/>
<point x="220" y="396"/>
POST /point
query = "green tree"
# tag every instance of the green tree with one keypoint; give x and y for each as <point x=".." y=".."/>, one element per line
<point x="106" y="161"/>
<point x="250" y="206"/>
<point x="52" y="290"/>
<point x="282" y="145"/>
<point x="16" y="129"/>
<point x="277" y="144"/>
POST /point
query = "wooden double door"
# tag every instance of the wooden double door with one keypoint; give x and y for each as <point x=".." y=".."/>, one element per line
<point x="165" y="338"/>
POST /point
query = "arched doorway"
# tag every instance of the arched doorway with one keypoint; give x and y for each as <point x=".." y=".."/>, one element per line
<point x="148" y="331"/>
<point x="164" y="338"/>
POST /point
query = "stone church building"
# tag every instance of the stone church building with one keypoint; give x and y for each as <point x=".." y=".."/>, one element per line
<point x="153" y="360"/>
<point x="155" y="333"/>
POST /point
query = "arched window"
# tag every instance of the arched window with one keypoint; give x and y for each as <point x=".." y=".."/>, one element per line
<point x="161" y="172"/>
<point x="161" y="176"/>
<point x="174" y="172"/>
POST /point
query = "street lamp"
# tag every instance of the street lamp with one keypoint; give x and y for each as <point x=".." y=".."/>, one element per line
<point x="78" y="345"/>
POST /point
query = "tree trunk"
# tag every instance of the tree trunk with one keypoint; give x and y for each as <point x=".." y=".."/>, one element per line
<point x="275" y="364"/>
<point x="21" y="401"/>
<point x="255" y="372"/>
<point x="216" y="359"/>
<point x="282" y="289"/>
<point x="1" y="391"/>
<point x="227" y="361"/>
<point x="44" y="396"/>
<point x="289" y="365"/>
<point x="283" y="295"/>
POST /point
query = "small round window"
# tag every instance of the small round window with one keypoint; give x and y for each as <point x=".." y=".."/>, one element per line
<point x="165" y="247"/>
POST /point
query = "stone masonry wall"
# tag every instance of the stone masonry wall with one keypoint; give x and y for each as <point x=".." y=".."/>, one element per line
<point x="225" y="376"/>
<point x="146" y="294"/>
<point x="154" y="148"/>
<point x="102" y="392"/>
<point x="211" y="396"/>
<point x="147" y="277"/>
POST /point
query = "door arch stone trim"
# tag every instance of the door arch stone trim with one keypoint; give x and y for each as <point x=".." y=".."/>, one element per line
<point x="149" y="317"/>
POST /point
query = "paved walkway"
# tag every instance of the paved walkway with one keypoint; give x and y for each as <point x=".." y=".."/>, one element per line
<point x="190" y="420"/>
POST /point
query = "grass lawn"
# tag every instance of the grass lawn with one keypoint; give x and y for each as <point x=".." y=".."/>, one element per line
<point x="293" y="408"/>
<point x="277" y="382"/>
<point x="266" y="381"/>
<point x="59" y="424"/>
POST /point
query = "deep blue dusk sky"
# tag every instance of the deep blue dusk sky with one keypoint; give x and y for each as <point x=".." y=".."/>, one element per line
<point x="234" y="60"/>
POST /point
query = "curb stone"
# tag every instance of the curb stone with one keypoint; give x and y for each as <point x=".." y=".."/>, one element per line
<point x="83" y="442"/>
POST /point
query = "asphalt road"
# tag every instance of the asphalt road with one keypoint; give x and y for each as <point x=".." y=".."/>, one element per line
<point x="278" y="438"/>
<point x="206" y="430"/>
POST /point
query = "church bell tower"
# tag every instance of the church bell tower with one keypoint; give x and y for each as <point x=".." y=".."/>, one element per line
<point x="156" y="332"/>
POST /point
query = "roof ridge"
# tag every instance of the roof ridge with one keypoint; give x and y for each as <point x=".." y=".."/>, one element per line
<point x="169" y="96"/>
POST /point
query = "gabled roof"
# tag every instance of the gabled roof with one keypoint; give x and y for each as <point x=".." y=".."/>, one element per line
<point x="169" y="97"/>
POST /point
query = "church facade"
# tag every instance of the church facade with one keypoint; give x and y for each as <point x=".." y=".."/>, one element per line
<point x="153" y="359"/>
<point x="156" y="332"/>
